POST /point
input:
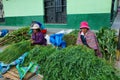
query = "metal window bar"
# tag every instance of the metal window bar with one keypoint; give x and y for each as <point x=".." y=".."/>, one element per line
<point x="58" y="5"/>
<point x="55" y="11"/>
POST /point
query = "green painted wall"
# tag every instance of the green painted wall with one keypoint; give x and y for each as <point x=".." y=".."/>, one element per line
<point x="73" y="21"/>
<point x="23" y="7"/>
<point x="22" y="20"/>
<point x="95" y="21"/>
<point x="18" y="13"/>
<point x="35" y="7"/>
<point x="88" y="6"/>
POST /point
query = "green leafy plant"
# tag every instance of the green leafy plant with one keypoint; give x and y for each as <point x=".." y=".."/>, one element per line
<point x="71" y="38"/>
<point x="106" y="38"/>
<point x="14" y="51"/>
<point x="77" y="63"/>
<point x="16" y="36"/>
<point x="39" y="55"/>
<point x="75" y="33"/>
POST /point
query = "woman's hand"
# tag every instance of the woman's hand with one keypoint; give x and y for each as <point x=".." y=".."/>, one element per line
<point x="32" y="41"/>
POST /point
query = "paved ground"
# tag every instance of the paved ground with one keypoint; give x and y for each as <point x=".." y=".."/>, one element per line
<point x="116" y="23"/>
<point x="50" y="30"/>
<point x="116" y="26"/>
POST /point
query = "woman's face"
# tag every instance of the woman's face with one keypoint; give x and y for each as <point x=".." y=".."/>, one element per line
<point x="34" y="31"/>
<point x="84" y="30"/>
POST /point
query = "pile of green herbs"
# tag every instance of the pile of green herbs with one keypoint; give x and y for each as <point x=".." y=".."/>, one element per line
<point x="77" y="63"/>
<point x="71" y="63"/>
<point x="15" y="36"/>
<point x="71" y="38"/>
<point x="108" y="45"/>
<point x="39" y="55"/>
<point x="14" y="51"/>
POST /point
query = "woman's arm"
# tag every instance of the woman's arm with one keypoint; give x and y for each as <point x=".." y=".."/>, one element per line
<point x="78" y="39"/>
<point x="92" y="41"/>
<point x="40" y="39"/>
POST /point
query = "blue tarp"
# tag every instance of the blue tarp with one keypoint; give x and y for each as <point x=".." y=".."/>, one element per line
<point x="21" y="70"/>
<point x="5" y="67"/>
<point x="56" y="40"/>
<point x="3" y="32"/>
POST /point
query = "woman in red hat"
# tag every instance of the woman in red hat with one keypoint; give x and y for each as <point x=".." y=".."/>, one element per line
<point x="88" y="38"/>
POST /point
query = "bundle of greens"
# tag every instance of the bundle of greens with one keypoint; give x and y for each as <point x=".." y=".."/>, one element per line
<point x="16" y="36"/>
<point x="77" y="63"/>
<point x="38" y="55"/>
<point x="75" y="33"/>
<point x="14" y="51"/>
<point x="71" y="38"/>
<point x="106" y="38"/>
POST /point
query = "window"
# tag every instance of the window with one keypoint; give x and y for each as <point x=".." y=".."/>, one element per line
<point x="55" y="11"/>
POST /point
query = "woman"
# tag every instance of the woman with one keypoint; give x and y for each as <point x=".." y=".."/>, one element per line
<point x="88" y="38"/>
<point x="37" y="36"/>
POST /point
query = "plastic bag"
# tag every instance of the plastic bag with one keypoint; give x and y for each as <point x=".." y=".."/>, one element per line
<point x="56" y="40"/>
